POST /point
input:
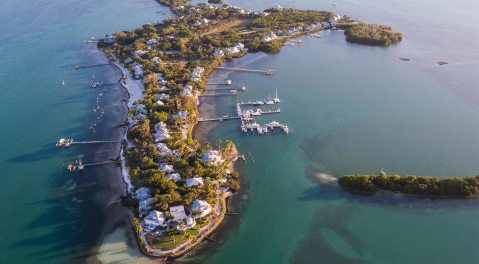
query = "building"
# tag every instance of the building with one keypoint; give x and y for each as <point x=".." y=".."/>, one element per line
<point x="200" y="208"/>
<point x="151" y="42"/>
<point x="163" y="149"/>
<point x="212" y="157"/>
<point x="167" y="168"/>
<point x="181" y="114"/>
<point x="196" y="74"/>
<point x="173" y="177"/>
<point x="162" y="96"/>
<point x="155" y="218"/>
<point x="219" y="53"/>
<point x="271" y="36"/>
<point x="178" y="213"/>
<point x="137" y="70"/>
<point x="193" y="182"/>
<point x="161" y="132"/>
<point x="188" y="90"/>
<point x="143" y="193"/>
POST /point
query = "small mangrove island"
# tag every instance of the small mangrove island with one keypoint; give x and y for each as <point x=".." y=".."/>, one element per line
<point x="180" y="185"/>
<point x="451" y="187"/>
<point x="372" y="34"/>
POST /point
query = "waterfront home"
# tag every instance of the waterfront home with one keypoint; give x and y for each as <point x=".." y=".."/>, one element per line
<point x="219" y="53"/>
<point x="334" y="20"/>
<point x="271" y="36"/>
<point x="161" y="132"/>
<point x="156" y="60"/>
<point x="137" y="70"/>
<point x="163" y="149"/>
<point x="181" y="114"/>
<point x="140" y="109"/>
<point x="173" y="177"/>
<point x="193" y="182"/>
<point x="109" y="39"/>
<point x="155" y="218"/>
<point x="145" y="205"/>
<point x="160" y="103"/>
<point x="178" y="213"/>
<point x="143" y="193"/>
<point x="196" y="74"/>
<point x="128" y="60"/>
<point x="187" y="224"/>
<point x="238" y="47"/>
<point x="166" y="167"/>
<point x="212" y="157"/>
<point x="188" y="90"/>
<point x="200" y="208"/>
<point x="205" y="21"/>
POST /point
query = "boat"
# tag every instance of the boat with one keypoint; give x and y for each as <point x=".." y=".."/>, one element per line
<point x="258" y="102"/>
<point x="316" y="35"/>
<point x="269" y="101"/>
<point x="95" y="84"/>
<point x="63" y="82"/>
<point x="228" y="82"/>
<point x="243" y="88"/>
<point x="64" y="143"/>
<point x="276" y="99"/>
<point x="258" y="112"/>
<point x="285" y="129"/>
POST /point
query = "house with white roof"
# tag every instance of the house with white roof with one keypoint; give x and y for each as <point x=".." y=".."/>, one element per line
<point x="269" y="37"/>
<point x="155" y="218"/>
<point x="196" y="74"/>
<point x="200" y="208"/>
<point x="181" y="114"/>
<point x="140" y="109"/>
<point x="173" y="177"/>
<point x="192" y="182"/>
<point x="189" y="223"/>
<point x="156" y="60"/>
<point x="161" y="132"/>
<point x="142" y="193"/>
<point x="178" y="212"/>
<point x="139" y="52"/>
<point x="188" y="90"/>
<point x="219" y="53"/>
<point x="166" y="167"/>
<point x="137" y="70"/>
<point x="163" y="149"/>
<point x="212" y="157"/>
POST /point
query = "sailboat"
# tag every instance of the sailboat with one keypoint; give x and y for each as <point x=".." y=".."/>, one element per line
<point x="63" y="82"/>
<point x="276" y="99"/>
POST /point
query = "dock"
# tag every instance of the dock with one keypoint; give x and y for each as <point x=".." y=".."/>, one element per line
<point x="68" y="142"/>
<point x="78" y="165"/>
<point x="218" y="94"/>
<point x="266" y="72"/>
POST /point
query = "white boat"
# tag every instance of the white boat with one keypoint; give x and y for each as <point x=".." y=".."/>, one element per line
<point x="228" y="82"/>
<point x="63" y="82"/>
<point x="258" y="112"/>
<point x="64" y="143"/>
<point x="276" y="99"/>
<point x="243" y="88"/>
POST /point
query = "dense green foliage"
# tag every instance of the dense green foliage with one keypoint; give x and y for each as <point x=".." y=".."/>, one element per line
<point x="215" y="1"/>
<point x="372" y="34"/>
<point x="286" y="18"/>
<point x="418" y="185"/>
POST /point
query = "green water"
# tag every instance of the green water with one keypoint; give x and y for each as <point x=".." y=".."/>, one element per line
<point x="49" y="216"/>
<point x="350" y="109"/>
<point x="356" y="109"/>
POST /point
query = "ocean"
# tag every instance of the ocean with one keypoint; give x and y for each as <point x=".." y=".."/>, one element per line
<point x="350" y="109"/>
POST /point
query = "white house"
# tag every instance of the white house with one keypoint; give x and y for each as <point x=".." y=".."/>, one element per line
<point x="189" y="223"/>
<point x="163" y="149"/>
<point x="137" y="70"/>
<point x="139" y="52"/>
<point x="143" y="193"/>
<point x="238" y="47"/>
<point x="188" y="90"/>
<point x="155" y="218"/>
<point x="156" y="60"/>
<point x="194" y="182"/>
<point x="178" y="212"/>
<point x="204" y="21"/>
<point x="161" y="132"/>
<point x="196" y="74"/>
<point x="173" y="177"/>
<point x="212" y="157"/>
<point x="270" y="36"/>
<point x="181" y="114"/>
<point x="166" y="167"/>
<point x="219" y="53"/>
<point x="200" y="208"/>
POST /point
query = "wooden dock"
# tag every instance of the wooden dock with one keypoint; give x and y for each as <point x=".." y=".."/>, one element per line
<point x="217" y="94"/>
<point x="219" y="118"/>
<point x="78" y="66"/>
<point x="266" y="72"/>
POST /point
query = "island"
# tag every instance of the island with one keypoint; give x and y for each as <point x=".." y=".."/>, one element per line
<point x="180" y="185"/>
<point x="372" y="34"/>
<point x="450" y="187"/>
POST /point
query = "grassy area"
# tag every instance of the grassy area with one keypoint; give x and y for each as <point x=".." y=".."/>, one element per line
<point x="171" y="241"/>
<point x="235" y="24"/>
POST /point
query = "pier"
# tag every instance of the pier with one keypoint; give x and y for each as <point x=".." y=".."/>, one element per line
<point x="68" y="142"/>
<point x="218" y="94"/>
<point x="78" y="165"/>
<point x="266" y="72"/>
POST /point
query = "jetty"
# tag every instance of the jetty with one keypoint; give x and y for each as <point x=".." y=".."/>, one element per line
<point x="266" y="72"/>
<point x="68" y="142"/>
<point x="232" y="92"/>
<point x="78" y="165"/>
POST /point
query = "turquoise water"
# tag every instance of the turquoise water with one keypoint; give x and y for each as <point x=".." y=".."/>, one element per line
<point x="350" y="109"/>
<point x="356" y="109"/>
<point x="48" y="215"/>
